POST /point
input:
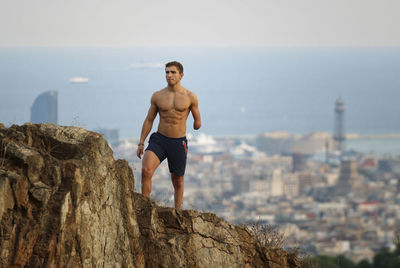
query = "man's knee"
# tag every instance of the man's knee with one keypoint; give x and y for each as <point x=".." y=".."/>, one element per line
<point x="147" y="172"/>
<point x="149" y="164"/>
<point x="177" y="181"/>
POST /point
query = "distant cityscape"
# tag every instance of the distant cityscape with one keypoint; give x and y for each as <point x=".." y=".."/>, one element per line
<point x="324" y="198"/>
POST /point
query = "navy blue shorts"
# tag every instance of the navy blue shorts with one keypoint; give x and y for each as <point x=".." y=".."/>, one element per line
<point x="174" y="149"/>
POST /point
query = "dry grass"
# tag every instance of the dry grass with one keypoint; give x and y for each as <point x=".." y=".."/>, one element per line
<point x="76" y="122"/>
<point x="268" y="236"/>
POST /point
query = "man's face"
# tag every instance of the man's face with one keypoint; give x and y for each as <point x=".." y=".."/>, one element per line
<point x="172" y="75"/>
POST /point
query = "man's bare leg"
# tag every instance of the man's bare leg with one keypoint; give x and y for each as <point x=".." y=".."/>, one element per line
<point x="177" y="181"/>
<point x="149" y="165"/>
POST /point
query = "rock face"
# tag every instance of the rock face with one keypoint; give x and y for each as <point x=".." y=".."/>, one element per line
<point x="65" y="202"/>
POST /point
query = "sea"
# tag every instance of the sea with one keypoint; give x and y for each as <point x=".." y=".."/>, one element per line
<point x="241" y="91"/>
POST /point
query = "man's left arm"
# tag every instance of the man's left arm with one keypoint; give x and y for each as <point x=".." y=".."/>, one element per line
<point x="194" y="108"/>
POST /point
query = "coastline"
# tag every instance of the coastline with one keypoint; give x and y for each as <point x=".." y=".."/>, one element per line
<point x="354" y="136"/>
<point x="382" y="144"/>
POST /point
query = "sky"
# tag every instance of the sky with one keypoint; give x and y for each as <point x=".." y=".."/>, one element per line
<point x="194" y="23"/>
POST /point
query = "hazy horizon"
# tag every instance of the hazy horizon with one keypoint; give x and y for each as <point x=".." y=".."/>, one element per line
<point x="241" y="91"/>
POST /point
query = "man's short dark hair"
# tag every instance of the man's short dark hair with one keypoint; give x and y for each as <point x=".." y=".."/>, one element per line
<point x="178" y="65"/>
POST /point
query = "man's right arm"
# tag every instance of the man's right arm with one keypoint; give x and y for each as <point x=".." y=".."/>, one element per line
<point x="147" y="125"/>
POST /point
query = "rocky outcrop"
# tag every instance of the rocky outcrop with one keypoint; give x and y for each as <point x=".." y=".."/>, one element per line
<point x="65" y="202"/>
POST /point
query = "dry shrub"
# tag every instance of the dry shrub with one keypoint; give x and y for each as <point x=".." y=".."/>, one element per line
<point x="268" y="236"/>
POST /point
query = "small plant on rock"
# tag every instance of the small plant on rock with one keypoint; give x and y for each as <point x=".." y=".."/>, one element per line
<point x="268" y="236"/>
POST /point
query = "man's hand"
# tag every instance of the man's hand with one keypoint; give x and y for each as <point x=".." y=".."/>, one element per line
<point x="140" y="151"/>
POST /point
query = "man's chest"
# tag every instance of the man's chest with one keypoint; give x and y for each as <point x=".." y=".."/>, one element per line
<point x="173" y="102"/>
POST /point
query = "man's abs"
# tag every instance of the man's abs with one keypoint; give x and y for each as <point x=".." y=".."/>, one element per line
<point x="172" y="130"/>
<point x="173" y="123"/>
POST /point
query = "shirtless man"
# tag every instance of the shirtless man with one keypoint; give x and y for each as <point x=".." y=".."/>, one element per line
<point x="173" y="103"/>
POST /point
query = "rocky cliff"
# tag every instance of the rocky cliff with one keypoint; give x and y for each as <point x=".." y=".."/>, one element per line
<point x="65" y="202"/>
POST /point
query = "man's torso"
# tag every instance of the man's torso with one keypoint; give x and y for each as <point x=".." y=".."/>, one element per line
<point x="173" y="108"/>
